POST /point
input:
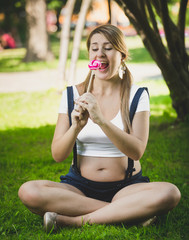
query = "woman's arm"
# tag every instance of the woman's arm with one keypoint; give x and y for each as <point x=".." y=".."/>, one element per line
<point x="134" y="144"/>
<point x="65" y="136"/>
<point x="64" y="139"/>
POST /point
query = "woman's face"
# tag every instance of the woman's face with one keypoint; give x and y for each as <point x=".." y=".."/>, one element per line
<point x="101" y="49"/>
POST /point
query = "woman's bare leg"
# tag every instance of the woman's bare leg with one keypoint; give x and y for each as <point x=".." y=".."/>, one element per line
<point x="46" y="196"/>
<point x="137" y="202"/>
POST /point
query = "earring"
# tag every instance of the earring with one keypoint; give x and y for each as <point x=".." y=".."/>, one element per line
<point x="122" y="69"/>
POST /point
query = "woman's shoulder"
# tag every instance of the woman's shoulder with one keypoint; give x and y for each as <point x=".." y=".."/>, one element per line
<point x="134" y="89"/>
<point x="77" y="89"/>
<point x="143" y="104"/>
<point x="64" y="99"/>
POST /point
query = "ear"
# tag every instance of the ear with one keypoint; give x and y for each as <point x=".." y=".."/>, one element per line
<point x="123" y="57"/>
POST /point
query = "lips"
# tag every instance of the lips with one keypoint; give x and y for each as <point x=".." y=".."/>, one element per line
<point x="98" y="65"/>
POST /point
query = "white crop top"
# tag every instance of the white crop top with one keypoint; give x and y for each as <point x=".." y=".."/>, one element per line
<point x="92" y="141"/>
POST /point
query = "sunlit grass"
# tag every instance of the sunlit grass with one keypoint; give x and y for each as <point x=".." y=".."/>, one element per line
<point x="160" y="101"/>
<point x="156" y="86"/>
<point x="28" y="109"/>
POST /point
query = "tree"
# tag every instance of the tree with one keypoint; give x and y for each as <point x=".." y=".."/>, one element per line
<point x="12" y="11"/>
<point x="112" y="15"/>
<point x="64" y="39"/>
<point x="38" y="47"/>
<point x="77" y="38"/>
<point x="13" y="19"/>
<point x="172" y="57"/>
<point x="110" y="11"/>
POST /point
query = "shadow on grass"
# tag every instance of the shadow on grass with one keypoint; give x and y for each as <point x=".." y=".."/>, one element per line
<point x="28" y="151"/>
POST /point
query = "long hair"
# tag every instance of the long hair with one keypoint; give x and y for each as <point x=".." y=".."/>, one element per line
<point x="117" y="39"/>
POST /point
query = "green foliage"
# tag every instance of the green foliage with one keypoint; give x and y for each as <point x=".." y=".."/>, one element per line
<point x="55" y="4"/>
<point x="9" y="6"/>
<point x="13" y="11"/>
<point x="26" y="130"/>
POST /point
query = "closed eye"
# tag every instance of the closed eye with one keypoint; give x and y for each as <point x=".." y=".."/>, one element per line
<point x="96" y="49"/>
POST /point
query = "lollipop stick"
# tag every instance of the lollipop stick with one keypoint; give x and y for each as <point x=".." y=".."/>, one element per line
<point x="90" y="81"/>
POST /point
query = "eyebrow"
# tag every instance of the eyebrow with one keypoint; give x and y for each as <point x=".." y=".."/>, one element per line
<point x="105" y="43"/>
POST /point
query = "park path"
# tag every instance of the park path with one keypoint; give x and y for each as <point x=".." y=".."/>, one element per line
<point x="47" y="79"/>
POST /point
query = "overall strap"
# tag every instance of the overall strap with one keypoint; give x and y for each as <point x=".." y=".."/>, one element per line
<point x="132" y="111"/>
<point x="70" y="109"/>
<point x="135" y="101"/>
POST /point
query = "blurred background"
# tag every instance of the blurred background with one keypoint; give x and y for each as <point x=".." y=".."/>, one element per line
<point x="13" y="17"/>
<point x="46" y="39"/>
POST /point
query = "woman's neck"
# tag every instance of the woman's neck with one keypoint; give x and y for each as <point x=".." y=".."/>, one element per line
<point x="105" y="87"/>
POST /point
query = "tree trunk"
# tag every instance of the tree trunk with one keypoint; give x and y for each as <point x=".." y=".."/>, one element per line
<point x="113" y="18"/>
<point x="77" y="39"/>
<point x="38" y="47"/>
<point x="113" y="13"/>
<point x="64" y="41"/>
<point x="110" y="11"/>
<point x="171" y="59"/>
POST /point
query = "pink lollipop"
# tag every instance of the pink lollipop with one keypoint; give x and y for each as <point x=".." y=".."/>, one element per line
<point x="93" y="65"/>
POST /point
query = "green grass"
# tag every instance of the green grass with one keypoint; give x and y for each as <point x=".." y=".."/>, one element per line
<point x="11" y="59"/>
<point x="26" y="130"/>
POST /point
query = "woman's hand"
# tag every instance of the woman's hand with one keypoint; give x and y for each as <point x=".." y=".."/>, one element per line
<point x="88" y="102"/>
<point x="79" y="117"/>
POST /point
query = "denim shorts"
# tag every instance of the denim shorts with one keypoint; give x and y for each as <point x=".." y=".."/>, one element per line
<point x="103" y="191"/>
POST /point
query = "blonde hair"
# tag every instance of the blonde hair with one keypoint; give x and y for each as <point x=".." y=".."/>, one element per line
<point x="117" y="39"/>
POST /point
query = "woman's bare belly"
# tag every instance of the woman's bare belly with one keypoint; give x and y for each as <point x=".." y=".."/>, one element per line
<point x="105" y="169"/>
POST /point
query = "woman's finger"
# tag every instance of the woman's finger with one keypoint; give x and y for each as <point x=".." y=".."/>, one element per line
<point x="86" y="97"/>
<point x="83" y="105"/>
<point x="79" y="108"/>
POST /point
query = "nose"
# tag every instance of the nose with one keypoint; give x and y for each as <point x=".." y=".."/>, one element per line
<point x="100" y="52"/>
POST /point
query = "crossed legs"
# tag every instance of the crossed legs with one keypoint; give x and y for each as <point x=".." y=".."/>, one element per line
<point x="134" y="203"/>
<point x="46" y="196"/>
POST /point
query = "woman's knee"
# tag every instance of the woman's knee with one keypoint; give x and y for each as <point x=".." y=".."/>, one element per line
<point x="29" y="194"/>
<point x="169" y="196"/>
<point x="175" y="195"/>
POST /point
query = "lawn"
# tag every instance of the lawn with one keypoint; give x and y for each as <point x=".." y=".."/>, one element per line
<point x="26" y="130"/>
